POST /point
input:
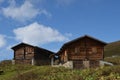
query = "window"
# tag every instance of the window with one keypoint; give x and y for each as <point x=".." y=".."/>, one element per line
<point x="29" y="49"/>
<point x="77" y="50"/>
<point x="94" y="50"/>
<point x="19" y="54"/>
<point x="28" y="53"/>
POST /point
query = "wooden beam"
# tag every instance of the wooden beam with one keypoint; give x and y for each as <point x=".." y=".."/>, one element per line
<point x="86" y="49"/>
<point x="24" y="52"/>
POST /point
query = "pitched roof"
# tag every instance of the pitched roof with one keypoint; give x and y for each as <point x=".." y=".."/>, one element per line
<point x="70" y="42"/>
<point x="22" y="44"/>
<point x="45" y="50"/>
<point x="84" y="37"/>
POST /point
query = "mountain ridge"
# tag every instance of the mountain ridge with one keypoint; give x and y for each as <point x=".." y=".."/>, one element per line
<point x="112" y="49"/>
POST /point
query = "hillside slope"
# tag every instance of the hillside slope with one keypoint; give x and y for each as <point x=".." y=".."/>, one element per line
<point x="53" y="73"/>
<point x="28" y="72"/>
<point x="112" y="49"/>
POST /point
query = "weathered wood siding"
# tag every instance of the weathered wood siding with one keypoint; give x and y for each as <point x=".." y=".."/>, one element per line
<point x="24" y="55"/>
<point x="23" y="61"/>
<point x="81" y="64"/>
<point x="19" y="53"/>
<point x="83" y="49"/>
<point x="28" y="54"/>
<point x="85" y="52"/>
<point x="42" y="57"/>
<point x="94" y="63"/>
<point x="78" y="64"/>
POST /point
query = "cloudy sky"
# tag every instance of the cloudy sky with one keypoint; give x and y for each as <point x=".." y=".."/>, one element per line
<point x="51" y="23"/>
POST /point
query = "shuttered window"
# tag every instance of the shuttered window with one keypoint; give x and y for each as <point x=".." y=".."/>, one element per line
<point x="77" y="50"/>
<point x="94" y="50"/>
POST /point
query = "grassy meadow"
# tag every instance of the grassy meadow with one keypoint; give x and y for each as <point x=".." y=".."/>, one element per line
<point x="28" y="72"/>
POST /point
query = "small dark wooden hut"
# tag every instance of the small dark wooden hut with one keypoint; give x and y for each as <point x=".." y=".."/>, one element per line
<point x="84" y="52"/>
<point x="29" y="54"/>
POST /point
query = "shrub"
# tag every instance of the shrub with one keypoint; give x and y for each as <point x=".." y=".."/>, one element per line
<point x="5" y="63"/>
<point x="26" y="76"/>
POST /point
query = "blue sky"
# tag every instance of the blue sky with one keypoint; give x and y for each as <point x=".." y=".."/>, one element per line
<point x="51" y="23"/>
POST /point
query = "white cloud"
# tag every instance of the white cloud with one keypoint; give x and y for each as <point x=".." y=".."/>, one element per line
<point x="26" y="11"/>
<point x="38" y="34"/>
<point x="2" y="41"/>
<point x="65" y="2"/>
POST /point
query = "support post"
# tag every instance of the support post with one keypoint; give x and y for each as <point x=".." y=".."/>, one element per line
<point x="52" y="61"/>
<point x="13" y="61"/>
<point x="66" y="56"/>
<point x="33" y="61"/>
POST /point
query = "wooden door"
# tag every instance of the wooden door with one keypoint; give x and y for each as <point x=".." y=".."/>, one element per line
<point x="94" y="64"/>
<point x="78" y="65"/>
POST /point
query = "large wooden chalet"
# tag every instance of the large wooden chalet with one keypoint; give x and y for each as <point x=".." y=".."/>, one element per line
<point x="29" y="54"/>
<point x="83" y="52"/>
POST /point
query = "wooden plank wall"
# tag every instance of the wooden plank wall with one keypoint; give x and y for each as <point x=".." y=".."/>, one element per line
<point x="82" y="50"/>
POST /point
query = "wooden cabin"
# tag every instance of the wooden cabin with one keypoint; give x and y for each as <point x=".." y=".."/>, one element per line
<point x="83" y="52"/>
<point x="29" y="54"/>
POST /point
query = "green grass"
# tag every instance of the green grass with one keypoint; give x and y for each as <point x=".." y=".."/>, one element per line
<point x="11" y="70"/>
<point x="27" y="72"/>
<point x="114" y="60"/>
<point x="112" y="49"/>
